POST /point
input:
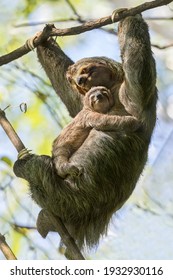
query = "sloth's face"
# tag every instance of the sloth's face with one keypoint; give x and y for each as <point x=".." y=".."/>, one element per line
<point x="99" y="99"/>
<point x="87" y="75"/>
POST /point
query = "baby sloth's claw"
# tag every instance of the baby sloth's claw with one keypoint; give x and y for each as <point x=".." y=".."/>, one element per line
<point x="74" y="171"/>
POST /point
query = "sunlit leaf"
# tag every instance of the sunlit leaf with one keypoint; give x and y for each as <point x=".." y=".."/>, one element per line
<point x="7" y="160"/>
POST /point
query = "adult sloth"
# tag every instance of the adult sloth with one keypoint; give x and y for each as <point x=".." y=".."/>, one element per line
<point x="111" y="161"/>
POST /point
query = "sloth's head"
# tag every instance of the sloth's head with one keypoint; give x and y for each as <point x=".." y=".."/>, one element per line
<point x="95" y="71"/>
<point x="99" y="99"/>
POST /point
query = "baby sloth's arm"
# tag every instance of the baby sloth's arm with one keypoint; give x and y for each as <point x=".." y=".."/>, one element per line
<point x="112" y="123"/>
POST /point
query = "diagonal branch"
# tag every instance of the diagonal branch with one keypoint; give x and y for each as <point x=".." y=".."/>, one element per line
<point x="56" y="222"/>
<point x="9" y="130"/>
<point x="6" y="250"/>
<point x="90" y="25"/>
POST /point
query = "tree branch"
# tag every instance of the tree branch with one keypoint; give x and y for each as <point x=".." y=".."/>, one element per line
<point x="60" y="20"/>
<point x="81" y="28"/>
<point x="46" y="222"/>
<point x="56" y="222"/>
<point x="6" y="250"/>
<point x="34" y="23"/>
<point x="162" y="47"/>
<point x="9" y="130"/>
<point x="75" y="11"/>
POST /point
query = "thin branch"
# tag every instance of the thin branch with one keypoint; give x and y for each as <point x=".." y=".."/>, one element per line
<point x="159" y="18"/>
<point x="60" y="20"/>
<point x="77" y="18"/>
<point x="75" y="11"/>
<point x="23" y="227"/>
<point x="47" y="32"/>
<point x="46" y="222"/>
<point x="69" y="241"/>
<point x="58" y="224"/>
<point x="25" y="24"/>
<point x="34" y="23"/>
<point x="6" y="250"/>
<point x="162" y="47"/>
<point x="9" y="130"/>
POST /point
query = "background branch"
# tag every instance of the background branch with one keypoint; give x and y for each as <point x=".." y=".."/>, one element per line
<point x="6" y="250"/>
<point x="75" y="12"/>
<point x="162" y="47"/>
<point x="60" y="20"/>
<point x="81" y="28"/>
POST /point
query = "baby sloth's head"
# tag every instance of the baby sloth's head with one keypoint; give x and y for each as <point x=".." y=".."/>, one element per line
<point x="99" y="99"/>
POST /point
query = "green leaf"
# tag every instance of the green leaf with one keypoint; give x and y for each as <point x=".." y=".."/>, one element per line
<point x="7" y="160"/>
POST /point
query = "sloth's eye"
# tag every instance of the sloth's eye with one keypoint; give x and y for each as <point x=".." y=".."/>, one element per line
<point x="83" y="71"/>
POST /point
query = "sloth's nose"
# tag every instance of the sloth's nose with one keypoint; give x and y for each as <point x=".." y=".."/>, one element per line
<point x="99" y="96"/>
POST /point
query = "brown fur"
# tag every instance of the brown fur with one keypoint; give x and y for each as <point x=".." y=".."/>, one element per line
<point x="112" y="160"/>
<point x="89" y="73"/>
<point x="97" y="102"/>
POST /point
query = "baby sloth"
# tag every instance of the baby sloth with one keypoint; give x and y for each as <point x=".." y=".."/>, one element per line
<point x="96" y="103"/>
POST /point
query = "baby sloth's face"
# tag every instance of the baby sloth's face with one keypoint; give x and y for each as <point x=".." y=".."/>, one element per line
<point x="99" y="99"/>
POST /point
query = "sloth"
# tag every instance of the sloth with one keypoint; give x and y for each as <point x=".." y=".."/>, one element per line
<point x="112" y="160"/>
<point x="97" y="102"/>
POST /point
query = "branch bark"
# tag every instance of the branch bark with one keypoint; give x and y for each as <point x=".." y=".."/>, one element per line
<point x="82" y="28"/>
<point x="56" y="222"/>
<point x="6" y="250"/>
<point x="9" y="130"/>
